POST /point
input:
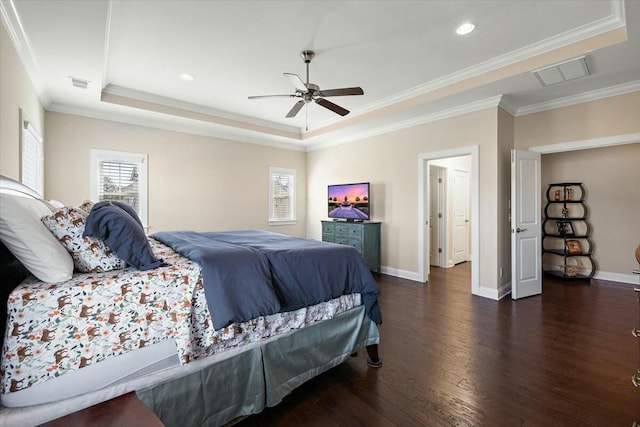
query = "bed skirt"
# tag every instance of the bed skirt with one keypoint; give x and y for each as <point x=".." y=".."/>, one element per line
<point x="247" y="382"/>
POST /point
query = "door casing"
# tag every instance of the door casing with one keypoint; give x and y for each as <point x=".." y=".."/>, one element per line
<point x="423" y="210"/>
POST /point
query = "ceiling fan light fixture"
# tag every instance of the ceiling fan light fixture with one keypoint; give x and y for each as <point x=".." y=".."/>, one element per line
<point x="186" y="77"/>
<point x="465" y="28"/>
<point x="309" y="92"/>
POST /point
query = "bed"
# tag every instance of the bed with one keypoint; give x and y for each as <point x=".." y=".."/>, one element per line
<point x="160" y="328"/>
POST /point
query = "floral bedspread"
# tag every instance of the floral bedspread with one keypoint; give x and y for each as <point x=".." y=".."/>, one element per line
<point x="53" y="329"/>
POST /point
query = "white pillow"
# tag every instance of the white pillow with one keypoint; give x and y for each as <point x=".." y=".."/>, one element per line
<point x="29" y="240"/>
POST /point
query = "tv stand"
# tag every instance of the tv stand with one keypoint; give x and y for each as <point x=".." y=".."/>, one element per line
<point x="364" y="236"/>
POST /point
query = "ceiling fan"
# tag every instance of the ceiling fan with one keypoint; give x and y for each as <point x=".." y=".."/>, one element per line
<point x="309" y="92"/>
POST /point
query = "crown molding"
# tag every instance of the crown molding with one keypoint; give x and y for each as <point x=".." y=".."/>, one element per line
<point x="593" y="95"/>
<point x="183" y="125"/>
<point x="612" y="22"/>
<point x="584" y="144"/>
<point x="22" y="46"/>
<point x="428" y="118"/>
<point x="508" y="105"/>
<point x="208" y="112"/>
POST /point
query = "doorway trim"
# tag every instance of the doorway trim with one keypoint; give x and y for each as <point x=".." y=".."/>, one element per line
<point x="442" y="225"/>
<point x="423" y="210"/>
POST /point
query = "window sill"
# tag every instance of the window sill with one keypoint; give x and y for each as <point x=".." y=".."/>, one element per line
<point x="283" y="222"/>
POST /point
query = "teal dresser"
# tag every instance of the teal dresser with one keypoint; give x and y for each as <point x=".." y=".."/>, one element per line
<point x="364" y="236"/>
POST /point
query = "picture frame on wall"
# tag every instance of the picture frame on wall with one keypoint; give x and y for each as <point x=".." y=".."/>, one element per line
<point x="573" y="247"/>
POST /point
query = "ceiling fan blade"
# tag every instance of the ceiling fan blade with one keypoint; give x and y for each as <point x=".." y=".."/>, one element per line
<point x="292" y="113"/>
<point x="297" y="82"/>
<point x="271" y="96"/>
<point x="333" y="107"/>
<point x="342" y="92"/>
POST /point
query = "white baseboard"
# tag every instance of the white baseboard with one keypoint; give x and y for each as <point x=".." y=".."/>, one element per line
<point x="632" y="279"/>
<point x="504" y="290"/>
<point x="491" y="293"/>
<point x="403" y="274"/>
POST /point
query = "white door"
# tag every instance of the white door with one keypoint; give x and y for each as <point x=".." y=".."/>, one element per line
<point x="526" y="250"/>
<point x="460" y="195"/>
<point x="436" y="219"/>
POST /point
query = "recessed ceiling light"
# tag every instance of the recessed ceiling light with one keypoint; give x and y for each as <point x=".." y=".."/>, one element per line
<point x="186" y="77"/>
<point x="465" y="28"/>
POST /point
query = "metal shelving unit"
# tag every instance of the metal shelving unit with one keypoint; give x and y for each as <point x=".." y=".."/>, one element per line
<point x="567" y="247"/>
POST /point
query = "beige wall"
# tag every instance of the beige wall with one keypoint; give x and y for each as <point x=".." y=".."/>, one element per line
<point x="611" y="178"/>
<point x="504" y="147"/>
<point x="616" y="115"/>
<point x="17" y="93"/>
<point x="195" y="182"/>
<point x="390" y="163"/>
<point x="611" y="175"/>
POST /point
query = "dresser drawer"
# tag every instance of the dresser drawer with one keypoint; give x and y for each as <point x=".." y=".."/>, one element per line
<point x="363" y="236"/>
<point x="355" y="232"/>
<point x="328" y="228"/>
<point x="356" y="243"/>
<point x="342" y="240"/>
<point x="341" y="229"/>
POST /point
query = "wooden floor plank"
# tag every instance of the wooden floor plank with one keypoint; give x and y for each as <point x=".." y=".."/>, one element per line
<point x="565" y="357"/>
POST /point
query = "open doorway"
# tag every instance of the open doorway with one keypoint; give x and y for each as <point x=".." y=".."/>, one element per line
<point x="468" y="217"/>
<point x="450" y="211"/>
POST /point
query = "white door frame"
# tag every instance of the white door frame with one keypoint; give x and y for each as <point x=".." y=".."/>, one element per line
<point x="442" y="224"/>
<point x="423" y="210"/>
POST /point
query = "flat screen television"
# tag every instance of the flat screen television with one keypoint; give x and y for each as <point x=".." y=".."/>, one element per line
<point x="349" y="201"/>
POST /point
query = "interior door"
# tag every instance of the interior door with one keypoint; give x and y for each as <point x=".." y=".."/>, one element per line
<point x="460" y="195"/>
<point x="526" y="250"/>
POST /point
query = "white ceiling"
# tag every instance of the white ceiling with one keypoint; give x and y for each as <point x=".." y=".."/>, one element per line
<point x="404" y="54"/>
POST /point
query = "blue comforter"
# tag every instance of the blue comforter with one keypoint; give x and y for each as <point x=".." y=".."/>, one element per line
<point x="247" y="274"/>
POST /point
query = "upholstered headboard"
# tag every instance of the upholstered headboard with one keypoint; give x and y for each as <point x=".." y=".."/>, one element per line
<point x="12" y="272"/>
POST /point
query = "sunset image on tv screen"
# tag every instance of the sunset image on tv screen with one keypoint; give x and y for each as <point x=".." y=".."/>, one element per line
<point x="350" y="201"/>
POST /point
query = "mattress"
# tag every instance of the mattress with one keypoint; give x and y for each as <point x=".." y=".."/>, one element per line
<point x="217" y="389"/>
<point x="98" y="329"/>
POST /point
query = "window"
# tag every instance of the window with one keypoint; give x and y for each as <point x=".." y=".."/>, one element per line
<point x="121" y="176"/>
<point x="32" y="159"/>
<point x="282" y="196"/>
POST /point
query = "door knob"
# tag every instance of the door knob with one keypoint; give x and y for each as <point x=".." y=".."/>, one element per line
<point x="520" y="230"/>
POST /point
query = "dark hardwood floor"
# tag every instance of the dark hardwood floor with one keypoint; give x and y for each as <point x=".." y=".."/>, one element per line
<point x="563" y="358"/>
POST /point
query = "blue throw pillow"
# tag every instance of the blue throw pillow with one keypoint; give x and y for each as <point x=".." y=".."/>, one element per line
<point x="122" y="233"/>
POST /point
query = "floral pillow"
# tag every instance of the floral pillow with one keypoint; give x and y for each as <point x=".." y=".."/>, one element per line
<point x="89" y="255"/>
<point x="86" y="206"/>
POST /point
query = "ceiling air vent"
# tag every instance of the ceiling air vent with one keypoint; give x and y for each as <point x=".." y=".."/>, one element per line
<point x="562" y="72"/>
<point x="82" y="84"/>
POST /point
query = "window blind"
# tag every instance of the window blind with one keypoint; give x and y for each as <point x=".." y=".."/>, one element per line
<point x="32" y="159"/>
<point x="119" y="181"/>
<point x="120" y="176"/>
<point x="282" y="195"/>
